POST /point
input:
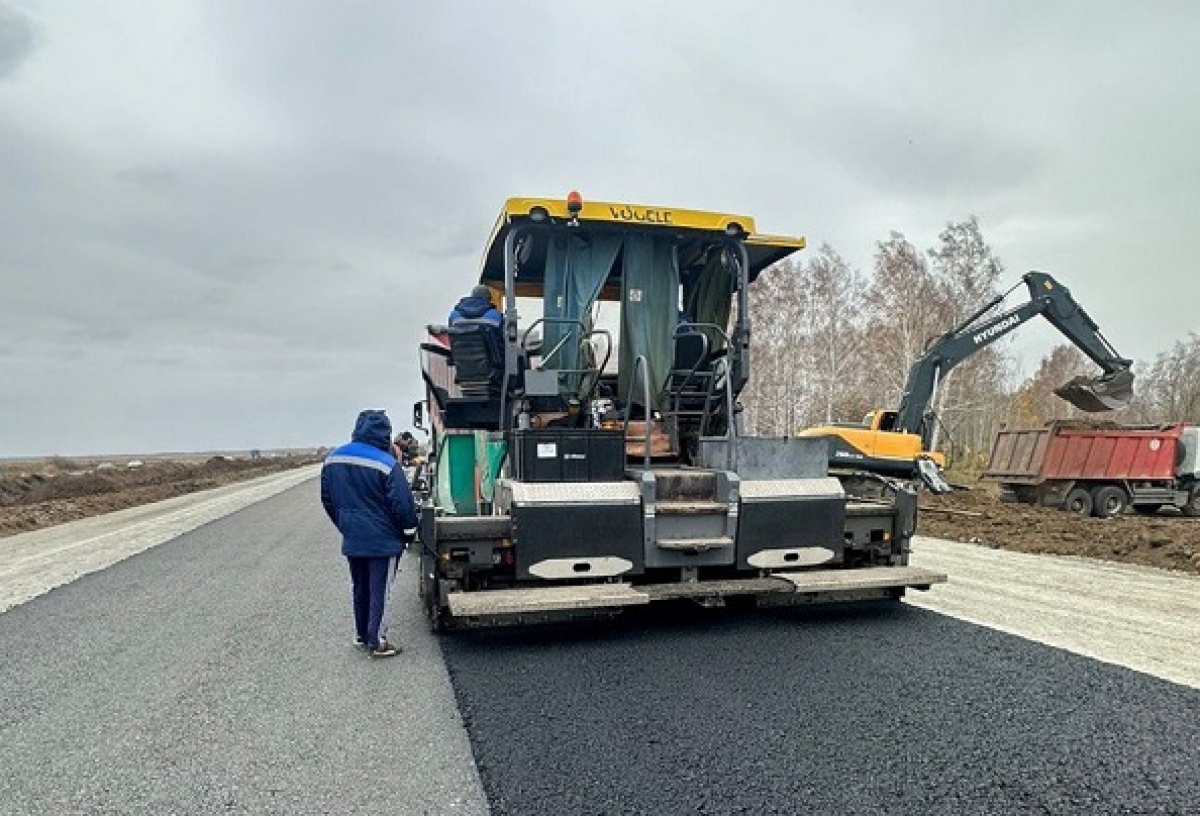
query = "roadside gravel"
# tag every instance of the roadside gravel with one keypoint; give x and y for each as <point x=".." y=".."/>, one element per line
<point x="1139" y="617"/>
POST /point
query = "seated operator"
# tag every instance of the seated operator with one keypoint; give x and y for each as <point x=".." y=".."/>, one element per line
<point x="476" y="306"/>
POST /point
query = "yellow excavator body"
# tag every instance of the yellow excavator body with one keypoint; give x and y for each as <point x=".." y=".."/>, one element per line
<point x="872" y="446"/>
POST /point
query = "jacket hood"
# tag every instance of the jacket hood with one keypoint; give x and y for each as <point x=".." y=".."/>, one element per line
<point x="473" y="308"/>
<point x="375" y="429"/>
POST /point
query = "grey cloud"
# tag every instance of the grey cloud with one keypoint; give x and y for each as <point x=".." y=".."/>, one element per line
<point x="18" y="37"/>
<point x="150" y="178"/>
<point x="908" y="152"/>
<point x="261" y="281"/>
<point x="97" y="334"/>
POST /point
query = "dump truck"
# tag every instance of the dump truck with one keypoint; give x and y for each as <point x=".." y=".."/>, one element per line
<point x="1100" y="468"/>
<point x="588" y="452"/>
<point x="898" y="442"/>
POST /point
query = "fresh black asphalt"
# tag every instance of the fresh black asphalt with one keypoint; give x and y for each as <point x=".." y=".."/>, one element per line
<point x="834" y="710"/>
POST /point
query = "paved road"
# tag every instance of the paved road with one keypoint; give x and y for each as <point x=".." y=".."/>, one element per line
<point x="36" y="562"/>
<point x="214" y="674"/>
<point x="840" y="710"/>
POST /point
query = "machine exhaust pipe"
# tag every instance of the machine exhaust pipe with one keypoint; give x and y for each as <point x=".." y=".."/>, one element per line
<point x="1112" y="392"/>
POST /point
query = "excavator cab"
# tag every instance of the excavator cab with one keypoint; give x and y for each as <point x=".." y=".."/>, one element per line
<point x="881" y="420"/>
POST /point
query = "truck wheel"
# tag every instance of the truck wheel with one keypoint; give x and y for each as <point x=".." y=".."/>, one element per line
<point x="1109" y="501"/>
<point x="1078" y="501"/>
<point x="1192" y="508"/>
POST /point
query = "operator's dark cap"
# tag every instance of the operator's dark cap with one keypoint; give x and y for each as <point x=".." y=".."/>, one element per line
<point x="481" y="291"/>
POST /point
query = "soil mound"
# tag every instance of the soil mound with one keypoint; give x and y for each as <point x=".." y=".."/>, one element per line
<point x="1167" y="540"/>
<point x="41" y="494"/>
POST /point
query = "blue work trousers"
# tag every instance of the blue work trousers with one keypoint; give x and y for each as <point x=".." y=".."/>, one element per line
<point x="371" y="580"/>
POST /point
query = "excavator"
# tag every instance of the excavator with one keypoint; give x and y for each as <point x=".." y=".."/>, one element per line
<point x="897" y="442"/>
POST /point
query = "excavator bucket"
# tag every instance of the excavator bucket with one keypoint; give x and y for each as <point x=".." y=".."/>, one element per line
<point x="1111" y="392"/>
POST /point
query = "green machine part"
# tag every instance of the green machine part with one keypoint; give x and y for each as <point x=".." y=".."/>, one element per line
<point x="456" y="493"/>
<point x="489" y="457"/>
<point x="468" y="464"/>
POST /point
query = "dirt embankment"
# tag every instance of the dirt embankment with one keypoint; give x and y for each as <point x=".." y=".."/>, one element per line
<point x="976" y="515"/>
<point x="43" y="493"/>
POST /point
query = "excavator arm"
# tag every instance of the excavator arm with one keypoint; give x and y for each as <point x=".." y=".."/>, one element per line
<point x="1048" y="298"/>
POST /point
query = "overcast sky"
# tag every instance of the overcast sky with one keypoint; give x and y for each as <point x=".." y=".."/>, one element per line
<point x="224" y="224"/>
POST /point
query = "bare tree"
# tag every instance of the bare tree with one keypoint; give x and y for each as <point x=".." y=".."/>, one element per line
<point x="971" y="398"/>
<point x="1035" y="402"/>
<point x="771" y="397"/>
<point x="904" y="310"/>
<point x="1169" y="391"/>
<point x="830" y="337"/>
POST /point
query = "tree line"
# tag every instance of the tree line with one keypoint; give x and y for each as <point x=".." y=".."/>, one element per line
<point x="831" y="344"/>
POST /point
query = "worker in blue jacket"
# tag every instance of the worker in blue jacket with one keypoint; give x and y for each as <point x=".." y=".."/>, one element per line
<point x="368" y="499"/>
<point x="475" y="306"/>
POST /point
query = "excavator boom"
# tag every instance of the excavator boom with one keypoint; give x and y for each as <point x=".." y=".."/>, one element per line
<point x="1048" y="298"/>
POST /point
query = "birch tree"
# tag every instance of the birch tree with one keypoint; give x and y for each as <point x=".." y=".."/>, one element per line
<point x="771" y="397"/>
<point x="1169" y="391"/>
<point x="968" y="274"/>
<point x="903" y="311"/>
<point x="1035" y="402"/>
<point x="830" y="335"/>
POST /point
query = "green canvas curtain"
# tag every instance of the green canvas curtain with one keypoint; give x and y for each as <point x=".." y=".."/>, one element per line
<point x="649" y="312"/>
<point x="708" y="296"/>
<point x="576" y="269"/>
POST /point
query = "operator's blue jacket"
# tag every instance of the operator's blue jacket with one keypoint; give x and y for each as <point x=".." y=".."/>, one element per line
<point x="366" y="494"/>
<point x="474" y="308"/>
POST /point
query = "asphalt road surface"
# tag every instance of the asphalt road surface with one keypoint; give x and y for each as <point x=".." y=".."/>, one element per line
<point x="862" y="710"/>
<point x="212" y="673"/>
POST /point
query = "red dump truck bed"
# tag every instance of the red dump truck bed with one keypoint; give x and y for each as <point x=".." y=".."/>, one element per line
<point x="1064" y="451"/>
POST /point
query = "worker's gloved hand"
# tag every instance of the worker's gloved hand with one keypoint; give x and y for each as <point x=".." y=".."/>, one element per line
<point x="408" y="537"/>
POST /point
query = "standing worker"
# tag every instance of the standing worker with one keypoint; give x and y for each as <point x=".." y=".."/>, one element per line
<point x="406" y="449"/>
<point x="368" y="499"/>
<point x="476" y="306"/>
